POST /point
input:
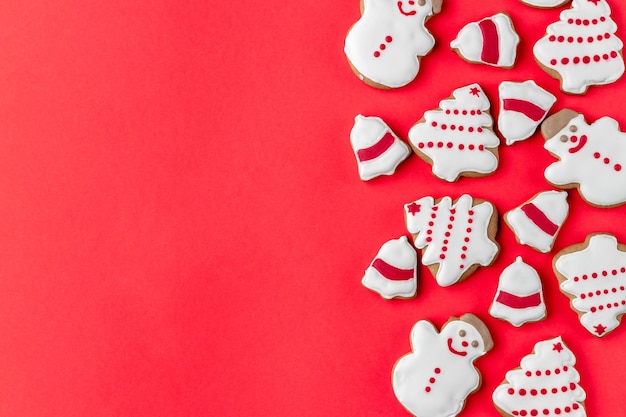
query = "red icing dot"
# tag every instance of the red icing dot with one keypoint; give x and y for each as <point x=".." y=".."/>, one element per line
<point x="464" y="344"/>
<point x="444" y="248"/>
<point x="432" y="380"/>
<point x="617" y="167"/>
<point x="594" y="21"/>
<point x="434" y="124"/>
<point x="462" y="266"/>
<point x="376" y="54"/>
<point x="464" y="248"/>
<point x="575" y="406"/>
<point x="382" y="46"/>
<point x="447" y="234"/>
<point x="437" y="370"/>
<point x="429" y="239"/>
<point x="596" y="58"/>
<point x="463" y="256"/>
<point x="469" y="230"/>
<point x="467" y="239"/>
<point x="564" y="388"/>
<point x="594" y="275"/>
<point x="605" y="273"/>
<point x="548" y="372"/>
<point x="470" y="212"/>
<point x="614" y="290"/>
<point x="447" y="111"/>
<point x="583" y="296"/>
<point x="576" y="60"/>
<point x="464" y="112"/>
<point x="453" y="127"/>
<point x="586" y="22"/>
<point x="470" y="129"/>
<point x="473" y="112"/>
<point x="515" y="413"/>
<point x="578" y="21"/>
<point x="533" y="392"/>
<point x="431" y="224"/>
<point x="456" y="112"/>
<point x="461" y="128"/>
<point x="444" y="127"/>
<point x="565" y="61"/>
<point x="570" y="21"/>
<point x="388" y="38"/>
<point x="602" y="18"/>
<point x="479" y="112"/>
<point x="557" y="371"/>
<point x="590" y="39"/>
<point x="479" y="129"/>
<point x="560" y="39"/>
<point x="533" y="412"/>
<point x="528" y="373"/>
<point x="544" y="391"/>
<point x="461" y="146"/>
<point x="613" y="54"/>
<point x="511" y="391"/>
<point x="427" y="389"/>
<point x="481" y="147"/>
<point x="546" y="411"/>
<point x="607" y="35"/>
<point x="575" y="279"/>
<point x="471" y="147"/>
<point x="570" y="39"/>
<point x="449" y="145"/>
<point x="557" y="411"/>
<point x="600" y="37"/>
<point x="586" y="59"/>
<point x="440" y="144"/>
<point x="585" y="277"/>
<point x="567" y="409"/>
<point x="606" y="291"/>
<point x="600" y="307"/>
<point x="522" y="392"/>
<point x="596" y="155"/>
<point x="442" y="256"/>
<point x="538" y="373"/>
<point x="429" y="232"/>
<point x="593" y="309"/>
<point x="554" y="390"/>
<point x="523" y="413"/>
<point x="552" y="38"/>
<point x="605" y="56"/>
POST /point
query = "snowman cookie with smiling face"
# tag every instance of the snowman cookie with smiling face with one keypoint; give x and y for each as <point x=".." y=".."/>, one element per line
<point x="435" y="379"/>
<point x="385" y="45"/>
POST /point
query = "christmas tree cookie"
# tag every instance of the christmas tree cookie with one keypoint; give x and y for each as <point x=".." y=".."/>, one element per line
<point x="385" y="45"/>
<point x="393" y="272"/>
<point x="593" y="275"/>
<point x="456" y="237"/>
<point x="545" y="384"/>
<point x="457" y="138"/>
<point x="581" y="49"/>
<point x="592" y="157"/>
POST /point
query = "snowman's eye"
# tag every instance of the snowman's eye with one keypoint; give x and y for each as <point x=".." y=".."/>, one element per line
<point x="563" y="138"/>
<point x="462" y="333"/>
<point x="421" y="2"/>
<point x="475" y="344"/>
<point x="573" y="128"/>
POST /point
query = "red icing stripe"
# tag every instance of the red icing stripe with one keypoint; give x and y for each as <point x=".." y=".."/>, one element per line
<point x="540" y="219"/>
<point x="490" y="52"/>
<point x="531" y="110"/>
<point x="377" y="149"/>
<point x="515" y="301"/>
<point x="390" y="271"/>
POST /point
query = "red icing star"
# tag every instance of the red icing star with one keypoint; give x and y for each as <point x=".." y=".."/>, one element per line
<point x="600" y="329"/>
<point x="414" y="208"/>
<point x="558" y="347"/>
<point x="475" y="91"/>
<point x="595" y="2"/>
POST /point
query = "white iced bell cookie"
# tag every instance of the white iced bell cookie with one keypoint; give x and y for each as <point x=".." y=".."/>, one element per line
<point x="455" y="237"/>
<point x="582" y="47"/>
<point x="385" y="45"/>
<point x="592" y="157"/>
<point x="544" y="4"/>
<point x="492" y="41"/>
<point x="546" y="384"/>
<point x="537" y="222"/>
<point x="519" y="298"/>
<point x="457" y="138"/>
<point x="523" y="106"/>
<point x="435" y="379"/>
<point x="393" y="272"/>
<point x="377" y="149"/>
<point x="593" y="275"/>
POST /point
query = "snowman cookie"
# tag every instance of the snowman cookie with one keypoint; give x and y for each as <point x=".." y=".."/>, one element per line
<point x="491" y="41"/>
<point x="435" y="379"/>
<point x="456" y="237"/>
<point x="393" y="272"/>
<point x="581" y="49"/>
<point x="593" y="275"/>
<point x="385" y="45"/>
<point x="592" y="157"/>
<point x="457" y="139"/>
<point x="545" y="384"/>
<point x="544" y="4"/>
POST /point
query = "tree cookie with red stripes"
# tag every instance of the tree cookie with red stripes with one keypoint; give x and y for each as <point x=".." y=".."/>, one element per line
<point x="393" y="272"/>
<point x="537" y="222"/>
<point x="457" y="139"/>
<point x="490" y="41"/>
<point x="593" y="275"/>
<point x="456" y="237"/>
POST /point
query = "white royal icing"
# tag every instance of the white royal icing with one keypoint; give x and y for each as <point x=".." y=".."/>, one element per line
<point x="375" y="155"/>
<point x="388" y="273"/>
<point x="530" y="228"/>
<point x="544" y="3"/>
<point x="519" y="298"/>
<point x="474" y="47"/>
<point x="385" y="43"/>
<point x="455" y="235"/>
<point x="523" y="106"/>
<point x="582" y="47"/>
<point x="546" y="385"/>
<point x="596" y="277"/>
<point x="593" y="156"/>
<point x="457" y="138"/>
<point x="432" y="380"/>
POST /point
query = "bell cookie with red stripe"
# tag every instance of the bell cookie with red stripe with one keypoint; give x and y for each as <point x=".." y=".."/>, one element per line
<point x="385" y="46"/>
<point x="377" y="149"/>
<point x="593" y="275"/>
<point x="537" y="222"/>
<point x="519" y="297"/>
<point x="592" y="157"/>
<point x="393" y="272"/>
<point x="544" y="4"/>
<point x="457" y="139"/>
<point x="437" y="376"/>
<point x="491" y="41"/>
<point x="456" y="237"/>
<point x="523" y="106"/>
<point x="581" y="49"/>
<point x="546" y="384"/>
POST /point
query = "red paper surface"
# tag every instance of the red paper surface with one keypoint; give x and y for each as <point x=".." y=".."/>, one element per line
<point x="183" y="230"/>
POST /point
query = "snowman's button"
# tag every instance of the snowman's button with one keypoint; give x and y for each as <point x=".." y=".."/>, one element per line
<point x="382" y="46"/>
<point x="376" y="54"/>
<point x="388" y="39"/>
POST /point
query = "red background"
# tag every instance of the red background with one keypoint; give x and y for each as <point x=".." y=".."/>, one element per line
<point x="183" y="230"/>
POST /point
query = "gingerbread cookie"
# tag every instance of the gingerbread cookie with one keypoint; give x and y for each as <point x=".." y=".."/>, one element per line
<point x="519" y="298"/>
<point x="457" y="139"/>
<point x="491" y="41"/>
<point x="593" y="275"/>
<point x="455" y="236"/>
<point x="581" y="49"/>
<point x="523" y="106"/>
<point x="393" y="272"/>
<point x="537" y="222"/>
<point x="385" y="45"/>
<point x="544" y="4"/>
<point x="435" y="379"/>
<point x="545" y="384"/>
<point x="377" y="149"/>
<point x="592" y="157"/>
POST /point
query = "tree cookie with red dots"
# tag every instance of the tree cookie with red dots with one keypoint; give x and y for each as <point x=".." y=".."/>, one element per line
<point x="593" y="275"/>
<point x="435" y="379"/>
<point x="456" y="237"/>
<point x="545" y="384"/>
<point x="385" y="45"/>
<point x="591" y="157"/>
<point x="581" y="49"/>
<point x="457" y="139"/>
